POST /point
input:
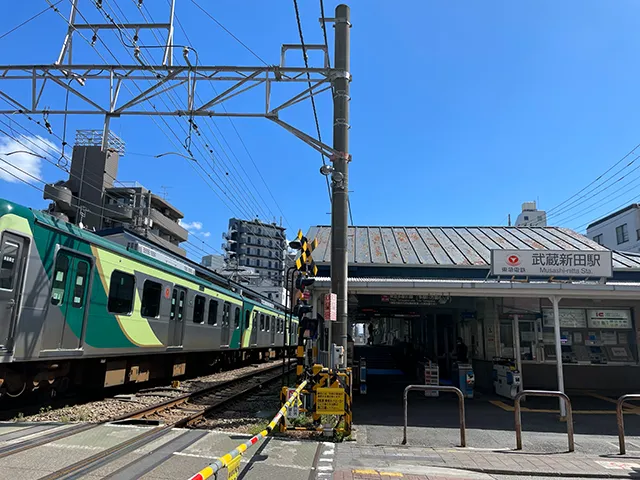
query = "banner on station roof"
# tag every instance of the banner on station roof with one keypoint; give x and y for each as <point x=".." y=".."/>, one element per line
<point x="552" y="263"/>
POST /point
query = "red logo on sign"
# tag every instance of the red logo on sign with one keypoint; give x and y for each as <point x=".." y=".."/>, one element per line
<point x="513" y="260"/>
<point x="167" y="292"/>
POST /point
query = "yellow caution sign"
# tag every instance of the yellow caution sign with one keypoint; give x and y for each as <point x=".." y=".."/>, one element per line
<point x="307" y="248"/>
<point x="330" y="401"/>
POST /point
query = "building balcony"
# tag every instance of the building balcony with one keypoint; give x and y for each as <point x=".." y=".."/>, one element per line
<point x="166" y="244"/>
<point x="118" y="212"/>
<point x="60" y="194"/>
<point x="172" y="228"/>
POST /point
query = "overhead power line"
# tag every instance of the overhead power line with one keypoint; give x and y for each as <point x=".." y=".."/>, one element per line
<point x="51" y="6"/>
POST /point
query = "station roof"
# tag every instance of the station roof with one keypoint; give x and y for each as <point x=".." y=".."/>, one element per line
<point x="452" y="247"/>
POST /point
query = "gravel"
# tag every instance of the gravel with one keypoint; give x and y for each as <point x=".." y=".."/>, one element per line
<point x="103" y="410"/>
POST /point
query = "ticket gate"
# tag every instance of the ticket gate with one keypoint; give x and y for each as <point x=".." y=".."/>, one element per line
<point x="464" y="379"/>
<point x="506" y="378"/>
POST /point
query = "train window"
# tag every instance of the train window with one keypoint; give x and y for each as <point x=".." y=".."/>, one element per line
<point x="174" y="301"/>
<point x="236" y="318"/>
<point x="247" y="317"/>
<point x="198" y="309"/>
<point x="225" y="313"/>
<point x="181" y="305"/>
<point x="212" y="318"/>
<point x="262" y="321"/>
<point x="266" y="327"/>
<point x="121" y="290"/>
<point x="8" y="264"/>
<point x="80" y="286"/>
<point x="59" y="278"/>
<point x="274" y="325"/>
<point x="151" y="294"/>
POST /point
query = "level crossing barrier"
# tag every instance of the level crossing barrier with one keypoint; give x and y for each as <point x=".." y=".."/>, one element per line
<point x="542" y="393"/>
<point x="620" y="418"/>
<point x="439" y="388"/>
<point x="231" y="460"/>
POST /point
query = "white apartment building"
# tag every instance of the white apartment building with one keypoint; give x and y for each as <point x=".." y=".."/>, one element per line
<point x="618" y="231"/>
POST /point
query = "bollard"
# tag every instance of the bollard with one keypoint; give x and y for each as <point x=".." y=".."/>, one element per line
<point x="542" y="393"/>
<point x="620" y="419"/>
<point x="439" y="388"/>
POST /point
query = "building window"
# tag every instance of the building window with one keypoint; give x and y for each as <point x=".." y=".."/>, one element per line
<point x="121" y="290"/>
<point x="248" y="239"/>
<point x="638" y="234"/>
<point x="622" y="234"/>
<point x="259" y="242"/>
<point x="598" y="239"/>
<point x="212" y="318"/>
<point x="151" y="293"/>
<point x="259" y="252"/>
<point x="526" y="217"/>
<point x="198" y="309"/>
<point x="257" y="262"/>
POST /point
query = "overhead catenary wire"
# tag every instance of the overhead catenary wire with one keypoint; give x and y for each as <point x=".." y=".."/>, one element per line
<point x="17" y="27"/>
<point x="239" y="197"/>
<point x="153" y="119"/>
<point x="246" y="149"/>
<point x="311" y="94"/>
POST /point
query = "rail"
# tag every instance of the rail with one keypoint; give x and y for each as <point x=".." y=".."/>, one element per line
<point x="231" y="459"/>
<point x="542" y="393"/>
<point x="439" y="388"/>
<point x="620" y="418"/>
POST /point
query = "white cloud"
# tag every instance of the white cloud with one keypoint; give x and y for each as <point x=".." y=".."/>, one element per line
<point x="206" y="234"/>
<point x="191" y="226"/>
<point x="28" y="163"/>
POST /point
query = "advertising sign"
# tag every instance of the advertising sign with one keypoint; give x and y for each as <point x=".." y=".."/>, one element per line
<point x="569" y="317"/>
<point x="609" y="318"/>
<point x="552" y="263"/>
<point x="331" y="307"/>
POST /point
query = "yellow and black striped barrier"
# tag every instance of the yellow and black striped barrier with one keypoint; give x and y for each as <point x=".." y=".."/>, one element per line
<point x="307" y="248"/>
<point x="231" y="460"/>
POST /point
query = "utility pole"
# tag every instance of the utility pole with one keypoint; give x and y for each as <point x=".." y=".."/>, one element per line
<point x="340" y="184"/>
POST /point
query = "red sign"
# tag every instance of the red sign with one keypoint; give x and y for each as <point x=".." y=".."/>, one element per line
<point x="331" y="307"/>
<point x="167" y="293"/>
<point x="513" y="260"/>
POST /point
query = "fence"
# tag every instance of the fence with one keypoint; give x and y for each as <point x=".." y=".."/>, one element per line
<point x="620" y="418"/>
<point x="542" y="393"/>
<point x="440" y="388"/>
<point x="232" y="459"/>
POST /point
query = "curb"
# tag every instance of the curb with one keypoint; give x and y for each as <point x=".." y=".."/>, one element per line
<point x="538" y="473"/>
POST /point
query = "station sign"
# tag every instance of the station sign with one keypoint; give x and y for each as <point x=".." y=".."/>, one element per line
<point x="331" y="307"/>
<point x="415" y="299"/>
<point x="552" y="263"/>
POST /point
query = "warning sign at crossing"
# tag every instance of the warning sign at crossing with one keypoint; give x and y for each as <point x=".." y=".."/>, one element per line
<point x="330" y="401"/>
<point x="234" y="468"/>
<point x="293" y="411"/>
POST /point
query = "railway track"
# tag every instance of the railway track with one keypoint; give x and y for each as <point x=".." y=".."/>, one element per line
<point x="182" y="411"/>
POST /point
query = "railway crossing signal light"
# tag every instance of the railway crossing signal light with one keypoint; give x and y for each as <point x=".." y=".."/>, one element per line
<point x="302" y="283"/>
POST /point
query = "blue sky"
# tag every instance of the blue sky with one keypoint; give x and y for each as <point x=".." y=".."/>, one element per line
<point x="460" y="110"/>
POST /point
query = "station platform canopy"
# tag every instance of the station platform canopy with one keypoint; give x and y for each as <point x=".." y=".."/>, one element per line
<point x="402" y="253"/>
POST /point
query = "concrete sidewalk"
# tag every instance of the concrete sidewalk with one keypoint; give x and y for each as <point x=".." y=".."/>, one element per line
<point x="355" y="461"/>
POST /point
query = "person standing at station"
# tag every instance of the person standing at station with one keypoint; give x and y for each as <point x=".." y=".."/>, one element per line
<point x="370" y="342"/>
<point x="461" y="351"/>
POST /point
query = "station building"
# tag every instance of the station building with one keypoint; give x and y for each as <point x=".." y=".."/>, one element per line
<point x="421" y="288"/>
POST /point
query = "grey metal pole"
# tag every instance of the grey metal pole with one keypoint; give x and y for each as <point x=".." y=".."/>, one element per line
<point x="516" y="345"/>
<point x="340" y="184"/>
<point x="556" y="330"/>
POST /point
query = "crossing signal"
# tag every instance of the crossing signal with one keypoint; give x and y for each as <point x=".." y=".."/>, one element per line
<point x="302" y="310"/>
<point x="302" y="283"/>
<point x="306" y="249"/>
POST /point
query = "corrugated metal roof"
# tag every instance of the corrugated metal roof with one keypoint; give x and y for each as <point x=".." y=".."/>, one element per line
<point x="452" y="246"/>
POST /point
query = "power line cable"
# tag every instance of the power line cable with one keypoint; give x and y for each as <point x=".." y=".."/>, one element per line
<point x="596" y="180"/>
<point x="229" y="32"/>
<point x="51" y="6"/>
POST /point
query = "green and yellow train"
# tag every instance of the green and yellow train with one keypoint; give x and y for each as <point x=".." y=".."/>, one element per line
<point x="78" y="308"/>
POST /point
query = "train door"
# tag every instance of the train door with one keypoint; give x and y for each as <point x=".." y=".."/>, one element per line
<point x="254" y="330"/>
<point x="12" y="265"/>
<point x="225" y="335"/>
<point x="274" y="321"/>
<point x="176" y="316"/>
<point x="69" y="292"/>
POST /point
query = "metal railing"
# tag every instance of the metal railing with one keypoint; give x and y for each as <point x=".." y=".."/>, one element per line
<point x="619" y="417"/>
<point x="542" y="393"/>
<point x="439" y="388"/>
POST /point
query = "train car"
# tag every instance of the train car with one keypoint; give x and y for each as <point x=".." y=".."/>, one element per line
<point x="78" y="308"/>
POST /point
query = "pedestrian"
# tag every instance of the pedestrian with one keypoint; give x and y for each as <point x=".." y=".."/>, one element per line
<point x="461" y="351"/>
<point x="370" y="342"/>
